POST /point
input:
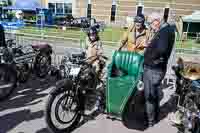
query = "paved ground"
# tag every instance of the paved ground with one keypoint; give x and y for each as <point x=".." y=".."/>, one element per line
<point x="23" y="112"/>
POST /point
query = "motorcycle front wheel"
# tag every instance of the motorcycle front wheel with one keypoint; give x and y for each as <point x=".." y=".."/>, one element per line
<point x="8" y="81"/>
<point x="62" y="111"/>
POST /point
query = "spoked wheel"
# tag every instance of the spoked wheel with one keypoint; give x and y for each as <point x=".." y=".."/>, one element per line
<point x="62" y="112"/>
<point x="8" y="81"/>
<point x="43" y="64"/>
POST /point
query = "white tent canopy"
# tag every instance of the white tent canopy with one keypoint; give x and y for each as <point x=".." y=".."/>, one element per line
<point x="194" y="17"/>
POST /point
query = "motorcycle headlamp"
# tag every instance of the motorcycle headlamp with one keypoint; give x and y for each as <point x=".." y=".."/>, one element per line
<point x="140" y="86"/>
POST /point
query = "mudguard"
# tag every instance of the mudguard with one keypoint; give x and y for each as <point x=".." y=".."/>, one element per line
<point x="61" y="86"/>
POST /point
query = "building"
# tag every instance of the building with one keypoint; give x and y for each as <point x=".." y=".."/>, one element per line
<point x="60" y="7"/>
<point x="101" y="9"/>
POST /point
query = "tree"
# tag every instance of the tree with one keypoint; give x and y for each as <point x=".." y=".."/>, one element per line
<point x="3" y="3"/>
<point x="9" y="2"/>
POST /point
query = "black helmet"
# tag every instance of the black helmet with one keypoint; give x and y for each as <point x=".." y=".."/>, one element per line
<point x="139" y="18"/>
<point x="92" y="30"/>
<point x="93" y="34"/>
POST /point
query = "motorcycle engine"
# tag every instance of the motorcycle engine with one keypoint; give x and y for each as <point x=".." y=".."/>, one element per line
<point x="88" y="83"/>
<point x="88" y="78"/>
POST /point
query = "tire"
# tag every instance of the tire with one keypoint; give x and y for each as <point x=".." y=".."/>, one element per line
<point x="42" y="71"/>
<point x="7" y="74"/>
<point x="48" y="111"/>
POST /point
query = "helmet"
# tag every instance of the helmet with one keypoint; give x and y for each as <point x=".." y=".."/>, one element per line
<point x="139" y="18"/>
<point x="92" y="30"/>
<point x="93" y="33"/>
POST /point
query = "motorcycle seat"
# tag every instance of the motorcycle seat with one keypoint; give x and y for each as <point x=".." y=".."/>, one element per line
<point x="79" y="55"/>
<point x="40" y="46"/>
<point x="192" y="76"/>
<point x="192" y="73"/>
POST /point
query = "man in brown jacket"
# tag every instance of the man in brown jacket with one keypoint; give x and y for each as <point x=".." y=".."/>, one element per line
<point x="136" y="36"/>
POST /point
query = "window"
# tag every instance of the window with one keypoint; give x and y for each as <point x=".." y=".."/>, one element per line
<point x="68" y="8"/>
<point x="59" y="8"/>
<point x="52" y="7"/>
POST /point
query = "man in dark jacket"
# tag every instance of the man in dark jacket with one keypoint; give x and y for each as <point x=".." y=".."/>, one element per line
<point x="156" y="57"/>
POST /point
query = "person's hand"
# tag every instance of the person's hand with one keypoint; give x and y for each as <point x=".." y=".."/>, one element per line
<point x="147" y="43"/>
<point x="120" y="48"/>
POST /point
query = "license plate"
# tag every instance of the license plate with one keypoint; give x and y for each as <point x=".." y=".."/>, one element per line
<point x="74" y="71"/>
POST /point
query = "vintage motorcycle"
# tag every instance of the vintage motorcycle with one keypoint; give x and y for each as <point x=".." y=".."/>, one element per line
<point x="187" y="116"/>
<point x="121" y="94"/>
<point x="17" y="62"/>
<point x="36" y="58"/>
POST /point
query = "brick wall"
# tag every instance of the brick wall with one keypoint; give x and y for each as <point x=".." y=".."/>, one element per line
<point x="101" y="9"/>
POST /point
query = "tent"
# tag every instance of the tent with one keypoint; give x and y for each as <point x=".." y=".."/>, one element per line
<point x="194" y="17"/>
<point x="191" y="23"/>
<point x="25" y="5"/>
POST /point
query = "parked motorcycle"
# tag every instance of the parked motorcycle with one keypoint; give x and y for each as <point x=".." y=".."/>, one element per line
<point x="188" y="93"/>
<point x="71" y="98"/>
<point x="23" y="60"/>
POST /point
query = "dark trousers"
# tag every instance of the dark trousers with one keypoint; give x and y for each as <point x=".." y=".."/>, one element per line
<point x="152" y="79"/>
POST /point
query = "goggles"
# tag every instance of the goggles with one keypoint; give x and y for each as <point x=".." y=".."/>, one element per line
<point x="139" y="19"/>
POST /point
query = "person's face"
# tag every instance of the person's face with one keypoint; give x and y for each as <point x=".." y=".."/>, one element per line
<point x="155" y="25"/>
<point x="138" y="26"/>
<point x="92" y="37"/>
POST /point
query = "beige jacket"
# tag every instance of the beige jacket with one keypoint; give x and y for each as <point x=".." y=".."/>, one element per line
<point x="93" y="49"/>
<point x="133" y="43"/>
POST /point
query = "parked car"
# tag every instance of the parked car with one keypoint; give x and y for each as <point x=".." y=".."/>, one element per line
<point x="81" y="22"/>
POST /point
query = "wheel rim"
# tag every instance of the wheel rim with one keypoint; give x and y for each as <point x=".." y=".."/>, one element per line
<point x="66" y="110"/>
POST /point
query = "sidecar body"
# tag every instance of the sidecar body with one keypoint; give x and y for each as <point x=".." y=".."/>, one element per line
<point x="124" y="73"/>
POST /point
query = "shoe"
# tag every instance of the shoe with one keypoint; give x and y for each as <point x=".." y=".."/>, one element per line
<point x="151" y="124"/>
<point x="94" y="109"/>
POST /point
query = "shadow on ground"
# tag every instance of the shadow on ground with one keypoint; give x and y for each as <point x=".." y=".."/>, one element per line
<point x="10" y="121"/>
<point x="33" y="93"/>
<point x="25" y="95"/>
<point x="29" y="93"/>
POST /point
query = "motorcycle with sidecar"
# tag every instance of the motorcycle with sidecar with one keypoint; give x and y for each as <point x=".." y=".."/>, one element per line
<point x="121" y="93"/>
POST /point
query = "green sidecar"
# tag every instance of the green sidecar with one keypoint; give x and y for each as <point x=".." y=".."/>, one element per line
<point x="122" y="87"/>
